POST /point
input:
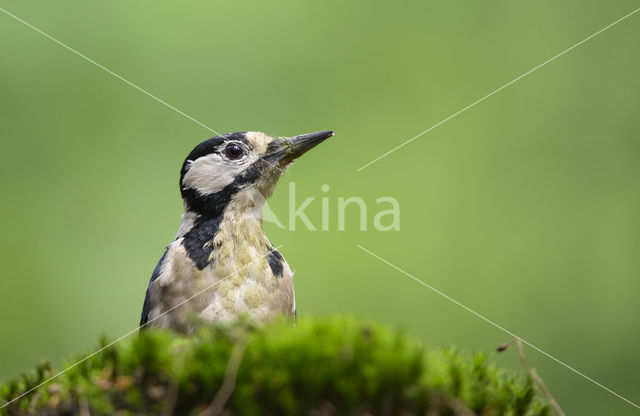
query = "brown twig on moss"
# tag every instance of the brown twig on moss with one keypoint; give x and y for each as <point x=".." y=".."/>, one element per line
<point x="454" y="404"/>
<point x="534" y="374"/>
<point x="229" y="383"/>
<point x="174" y="385"/>
<point x="33" y="402"/>
<point x="320" y="367"/>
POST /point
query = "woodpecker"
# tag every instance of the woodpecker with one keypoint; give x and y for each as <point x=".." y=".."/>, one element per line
<point x="221" y="265"/>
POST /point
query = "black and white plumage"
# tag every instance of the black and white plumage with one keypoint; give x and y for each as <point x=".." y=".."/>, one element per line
<point x="220" y="243"/>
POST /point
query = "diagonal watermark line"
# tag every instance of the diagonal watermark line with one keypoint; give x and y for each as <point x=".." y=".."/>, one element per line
<point x="496" y="325"/>
<point x="108" y="70"/>
<point x="161" y="101"/>
<point x="497" y="90"/>
<point x="132" y="331"/>
<point x="179" y="112"/>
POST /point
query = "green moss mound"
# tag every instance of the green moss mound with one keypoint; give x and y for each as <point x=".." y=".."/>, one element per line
<point x="317" y="367"/>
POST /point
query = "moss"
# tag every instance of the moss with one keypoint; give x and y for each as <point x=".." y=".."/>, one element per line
<point x="318" y="367"/>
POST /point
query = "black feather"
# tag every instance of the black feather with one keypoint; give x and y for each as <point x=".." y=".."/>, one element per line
<point x="210" y="209"/>
<point x="198" y="242"/>
<point x="147" y="302"/>
<point x="275" y="260"/>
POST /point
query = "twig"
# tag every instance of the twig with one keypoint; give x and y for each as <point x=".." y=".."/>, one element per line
<point x="458" y="407"/>
<point x="534" y="374"/>
<point x="32" y="403"/>
<point x="172" y="393"/>
<point x="229" y="383"/>
<point x="85" y="409"/>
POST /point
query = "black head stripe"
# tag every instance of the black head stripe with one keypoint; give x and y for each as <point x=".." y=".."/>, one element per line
<point x="210" y="209"/>
<point x="212" y="145"/>
<point x="213" y="205"/>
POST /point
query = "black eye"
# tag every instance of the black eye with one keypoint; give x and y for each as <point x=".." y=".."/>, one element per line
<point x="233" y="151"/>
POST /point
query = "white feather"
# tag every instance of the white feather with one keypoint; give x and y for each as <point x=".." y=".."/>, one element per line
<point x="211" y="173"/>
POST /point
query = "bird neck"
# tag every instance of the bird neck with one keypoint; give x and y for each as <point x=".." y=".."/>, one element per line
<point x="238" y="229"/>
<point x="241" y="222"/>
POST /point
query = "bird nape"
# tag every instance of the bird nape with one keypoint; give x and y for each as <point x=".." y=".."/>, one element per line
<point x="221" y="265"/>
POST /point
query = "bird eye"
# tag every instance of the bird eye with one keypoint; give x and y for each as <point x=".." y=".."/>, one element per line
<point x="233" y="151"/>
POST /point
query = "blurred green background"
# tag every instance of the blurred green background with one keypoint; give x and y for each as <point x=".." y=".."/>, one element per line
<point x="525" y="208"/>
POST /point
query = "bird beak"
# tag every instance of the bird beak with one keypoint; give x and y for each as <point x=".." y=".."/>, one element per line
<point x="284" y="150"/>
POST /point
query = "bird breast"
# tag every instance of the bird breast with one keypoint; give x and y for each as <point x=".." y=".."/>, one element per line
<point x="245" y="276"/>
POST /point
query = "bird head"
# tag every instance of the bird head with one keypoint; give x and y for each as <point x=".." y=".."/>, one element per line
<point x="245" y="165"/>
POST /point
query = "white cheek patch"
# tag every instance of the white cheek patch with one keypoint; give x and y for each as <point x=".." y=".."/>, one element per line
<point x="210" y="174"/>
